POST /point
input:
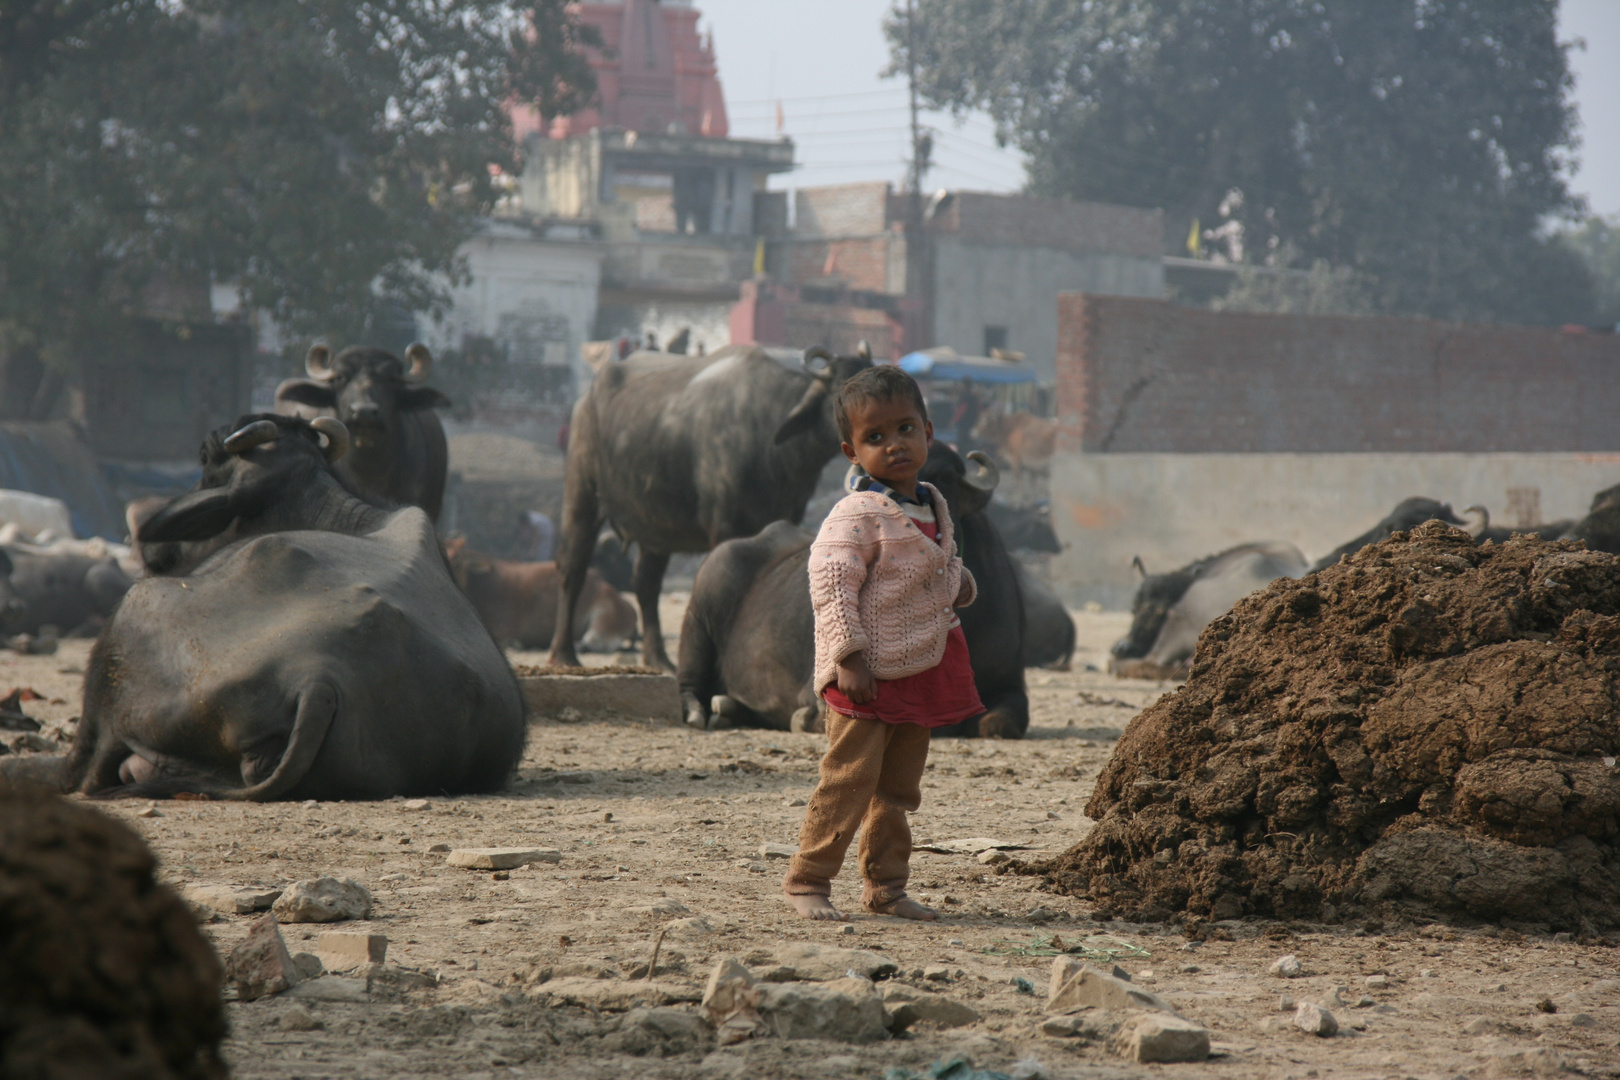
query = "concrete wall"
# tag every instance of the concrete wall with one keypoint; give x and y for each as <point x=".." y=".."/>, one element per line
<point x="1173" y="508"/>
<point x="999" y="284"/>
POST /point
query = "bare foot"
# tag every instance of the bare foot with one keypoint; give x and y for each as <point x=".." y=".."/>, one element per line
<point x="907" y="908"/>
<point x="812" y="906"/>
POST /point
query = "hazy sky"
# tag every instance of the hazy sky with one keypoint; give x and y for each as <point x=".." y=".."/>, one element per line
<point x="822" y="59"/>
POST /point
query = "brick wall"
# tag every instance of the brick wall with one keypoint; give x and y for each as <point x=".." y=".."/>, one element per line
<point x="1146" y="376"/>
<point x="1023" y="220"/>
<point x="842" y="210"/>
<point x="862" y="263"/>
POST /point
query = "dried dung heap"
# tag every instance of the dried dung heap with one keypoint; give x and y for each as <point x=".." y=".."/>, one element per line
<point x="1425" y="730"/>
<point x="103" y="971"/>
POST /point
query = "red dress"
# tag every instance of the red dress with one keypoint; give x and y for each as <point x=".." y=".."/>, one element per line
<point x="944" y="694"/>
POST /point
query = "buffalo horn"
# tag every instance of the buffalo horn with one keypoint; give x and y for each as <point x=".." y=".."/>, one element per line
<point x="986" y="476"/>
<point x="318" y="362"/>
<point x="421" y="361"/>
<point x="337" y="436"/>
<point x="864" y="350"/>
<point x="255" y="434"/>
<point x="822" y="353"/>
<point x="1137" y="565"/>
<point x="1484" y="520"/>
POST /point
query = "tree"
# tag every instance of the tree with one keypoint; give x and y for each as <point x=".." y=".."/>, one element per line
<point x="1597" y="242"/>
<point x="327" y="157"/>
<point x="1420" y="143"/>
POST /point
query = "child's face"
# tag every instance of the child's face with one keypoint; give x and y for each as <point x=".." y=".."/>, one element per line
<point x="890" y="441"/>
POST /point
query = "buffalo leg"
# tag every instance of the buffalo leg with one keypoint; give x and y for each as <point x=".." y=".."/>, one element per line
<point x="649" y="583"/>
<point x="576" y="545"/>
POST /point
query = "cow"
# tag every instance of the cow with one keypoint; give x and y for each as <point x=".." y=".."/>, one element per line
<point x="325" y="653"/>
<point x="747" y="644"/>
<point x="397" y="449"/>
<point x="1026" y="528"/>
<point x="1407" y="515"/>
<point x="681" y="453"/>
<point x="517" y="601"/>
<point x="1022" y="439"/>
<point x="1048" y="627"/>
<point x="1171" y="610"/>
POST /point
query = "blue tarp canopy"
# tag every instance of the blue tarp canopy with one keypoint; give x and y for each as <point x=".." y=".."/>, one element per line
<point x="49" y="458"/>
<point x="945" y="363"/>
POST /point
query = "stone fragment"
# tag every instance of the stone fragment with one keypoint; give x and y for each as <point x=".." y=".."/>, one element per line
<point x="693" y="927"/>
<point x="438" y="849"/>
<point x="777" y="851"/>
<point x="1064" y="968"/>
<point x="297" y="1018"/>
<point x="936" y="1009"/>
<point x="1287" y="967"/>
<point x="847" y="930"/>
<point x="231" y="899"/>
<point x="659" y="1032"/>
<point x="340" y="950"/>
<point x="332" y="988"/>
<point x="731" y="1002"/>
<point x="323" y="899"/>
<point x="261" y="964"/>
<point x="795" y="801"/>
<point x="843" y="1010"/>
<point x="820" y="963"/>
<point x="937" y="973"/>
<point x="415" y="804"/>
<point x="666" y="906"/>
<point x="1161" y="1037"/>
<point x="992" y="857"/>
<point x="150" y="810"/>
<point x="1091" y="989"/>
<point x="309" y="965"/>
<point x="490" y="858"/>
<point x="1315" y="1020"/>
<point x="613" y="994"/>
<point x="1377" y="982"/>
<point x="1286" y="1003"/>
<point x="1062" y="1027"/>
<point x="1481" y="1025"/>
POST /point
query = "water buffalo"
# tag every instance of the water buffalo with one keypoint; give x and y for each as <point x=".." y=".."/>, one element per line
<point x="324" y="654"/>
<point x="74" y="590"/>
<point x="748" y="641"/>
<point x="1407" y="515"/>
<point x="1171" y="610"/>
<point x="1483" y="531"/>
<point x="517" y="601"/>
<point x="682" y="453"/>
<point x="1026" y="528"/>
<point x="397" y="451"/>
<point x="1048" y="626"/>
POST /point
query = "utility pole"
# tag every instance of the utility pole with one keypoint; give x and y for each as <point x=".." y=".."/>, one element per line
<point x="920" y="150"/>
<point x="919" y="318"/>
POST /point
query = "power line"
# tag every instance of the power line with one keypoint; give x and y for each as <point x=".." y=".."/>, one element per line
<point x="819" y="97"/>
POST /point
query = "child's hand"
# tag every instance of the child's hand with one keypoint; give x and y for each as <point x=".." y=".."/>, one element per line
<point x="855" y="679"/>
<point x="961" y="594"/>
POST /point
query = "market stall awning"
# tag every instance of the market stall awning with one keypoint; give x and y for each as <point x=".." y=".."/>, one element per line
<point x="945" y="363"/>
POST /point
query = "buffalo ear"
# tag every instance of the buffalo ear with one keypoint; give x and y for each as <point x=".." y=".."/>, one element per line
<point x="805" y="415"/>
<point x="418" y="398"/>
<point x="196" y="515"/>
<point x="307" y="392"/>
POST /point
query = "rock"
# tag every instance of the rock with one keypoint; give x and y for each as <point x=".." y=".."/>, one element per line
<point x="795" y="801"/>
<point x="847" y="930"/>
<point x="1026" y="1069"/>
<point x="1481" y="1025"/>
<point x="843" y="1010"/>
<point x="696" y="926"/>
<point x="1315" y="1020"/>
<point x="820" y="963"/>
<point x="667" y="906"/>
<point x="937" y="973"/>
<point x="332" y="988"/>
<point x="297" y="1018"/>
<point x="777" y="851"/>
<point x="323" y="899"/>
<point x="437" y="849"/>
<point x="1377" y="982"/>
<point x="231" y="899"/>
<point x="1287" y="967"/>
<point x="1064" y="968"/>
<point x="1286" y="1003"/>
<point x="261" y="964"/>
<point x="1062" y="1027"/>
<point x="150" y="810"/>
<point x="660" y="1032"/>
<point x="993" y="857"/>
<point x="731" y="1002"/>
<point x="1091" y="989"/>
<point x="309" y="965"/>
<point x="612" y="994"/>
<point x="492" y="858"/>
<point x="415" y="804"/>
<point x="936" y="1009"/>
<point x="340" y="950"/>
<point x="1161" y="1037"/>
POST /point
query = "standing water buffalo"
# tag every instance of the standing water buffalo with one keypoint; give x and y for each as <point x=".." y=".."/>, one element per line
<point x="397" y="451"/>
<point x="748" y="641"/>
<point x="1407" y="515"/>
<point x="1171" y="610"/>
<point x="681" y="453"/>
<point x="324" y="653"/>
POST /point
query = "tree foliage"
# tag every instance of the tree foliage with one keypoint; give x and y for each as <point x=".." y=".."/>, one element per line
<point x="1597" y="242"/>
<point x="1423" y="144"/>
<point x="326" y="156"/>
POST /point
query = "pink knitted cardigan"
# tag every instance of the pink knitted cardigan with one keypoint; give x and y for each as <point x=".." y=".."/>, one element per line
<point x="879" y="585"/>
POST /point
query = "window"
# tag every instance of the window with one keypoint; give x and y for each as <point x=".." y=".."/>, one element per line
<point x="995" y="337"/>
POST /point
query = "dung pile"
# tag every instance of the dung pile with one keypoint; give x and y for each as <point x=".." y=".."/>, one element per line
<point x="1425" y="730"/>
<point x="103" y="971"/>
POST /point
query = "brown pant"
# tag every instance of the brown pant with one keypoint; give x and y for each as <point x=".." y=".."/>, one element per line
<point x="870" y="778"/>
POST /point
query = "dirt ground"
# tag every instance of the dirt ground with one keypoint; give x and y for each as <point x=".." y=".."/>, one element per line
<point x="661" y="827"/>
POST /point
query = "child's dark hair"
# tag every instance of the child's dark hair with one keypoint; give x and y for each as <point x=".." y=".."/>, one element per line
<point x="881" y="382"/>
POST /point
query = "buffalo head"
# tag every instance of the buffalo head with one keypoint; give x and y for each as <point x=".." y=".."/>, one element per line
<point x="366" y="388"/>
<point x="1151" y="605"/>
<point x="966" y="485"/>
<point x="247" y="467"/>
<point x="827" y="373"/>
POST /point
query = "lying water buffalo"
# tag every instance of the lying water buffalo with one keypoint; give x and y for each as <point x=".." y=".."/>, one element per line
<point x="1407" y="515"/>
<point x="1600" y="528"/>
<point x="1171" y="610"/>
<point x="1483" y="531"/>
<point x="73" y="590"/>
<point x="397" y="451"/>
<point x="748" y="639"/>
<point x="323" y="654"/>
<point x="1048" y="626"/>
<point x="681" y="453"/>
<point x="517" y="601"/>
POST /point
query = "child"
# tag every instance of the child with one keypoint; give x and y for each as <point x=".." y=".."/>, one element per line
<point x="891" y="661"/>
